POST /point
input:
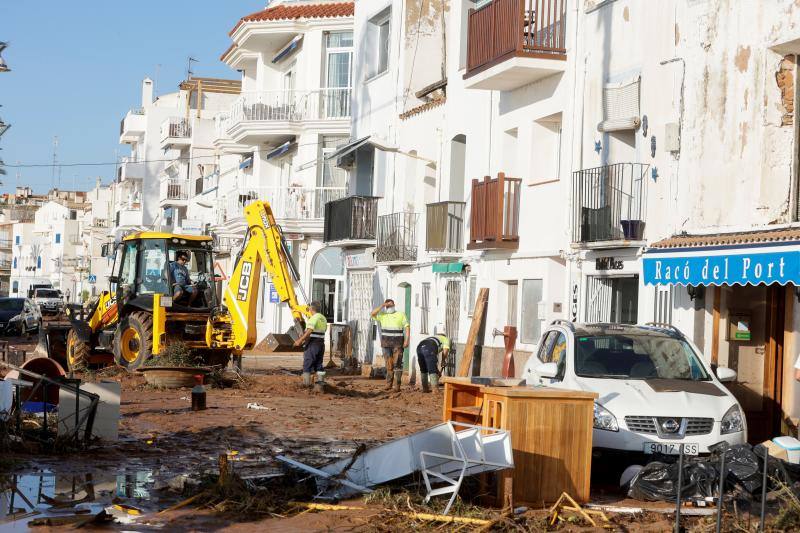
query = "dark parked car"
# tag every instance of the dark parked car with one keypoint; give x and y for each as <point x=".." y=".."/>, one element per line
<point x="18" y="316"/>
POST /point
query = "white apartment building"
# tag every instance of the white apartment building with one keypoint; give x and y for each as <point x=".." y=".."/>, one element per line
<point x="296" y="61"/>
<point x="92" y="268"/>
<point x="170" y="137"/>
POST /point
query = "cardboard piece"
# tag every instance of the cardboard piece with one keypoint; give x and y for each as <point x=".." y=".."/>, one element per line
<point x="106" y="422"/>
<point x="775" y="450"/>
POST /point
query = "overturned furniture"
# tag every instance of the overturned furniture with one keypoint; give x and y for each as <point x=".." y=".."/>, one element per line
<point x="445" y="454"/>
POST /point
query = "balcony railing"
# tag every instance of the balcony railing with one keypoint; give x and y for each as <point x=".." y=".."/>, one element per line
<point x="5" y="243"/>
<point x="289" y="106"/>
<point x="494" y="213"/>
<point x="288" y="203"/>
<point x="397" y="238"/>
<point x="134" y="111"/>
<point x="609" y="203"/>
<point x="444" y="227"/>
<point x="175" y="128"/>
<point x="5" y="264"/>
<point x="174" y="189"/>
<point x="507" y="28"/>
<point x="351" y="218"/>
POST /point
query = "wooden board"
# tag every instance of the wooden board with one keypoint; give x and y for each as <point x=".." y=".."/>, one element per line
<point x="469" y="348"/>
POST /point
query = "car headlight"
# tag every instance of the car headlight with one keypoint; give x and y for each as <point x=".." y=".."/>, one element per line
<point x="733" y="421"/>
<point x="603" y="419"/>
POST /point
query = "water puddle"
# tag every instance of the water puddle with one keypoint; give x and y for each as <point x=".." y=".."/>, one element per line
<point x="58" y="499"/>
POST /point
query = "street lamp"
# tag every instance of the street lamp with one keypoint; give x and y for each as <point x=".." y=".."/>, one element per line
<point x="3" y="65"/>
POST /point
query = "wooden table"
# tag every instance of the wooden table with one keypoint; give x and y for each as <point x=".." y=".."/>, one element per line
<point x="551" y="435"/>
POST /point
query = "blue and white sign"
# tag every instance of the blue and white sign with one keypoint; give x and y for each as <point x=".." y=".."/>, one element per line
<point x="92" y="278"/>
<point x="715" y="268"/>
<point x="273" y="294"/>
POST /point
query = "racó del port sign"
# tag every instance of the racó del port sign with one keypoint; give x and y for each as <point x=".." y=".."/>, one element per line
<point x="714" y="268"/>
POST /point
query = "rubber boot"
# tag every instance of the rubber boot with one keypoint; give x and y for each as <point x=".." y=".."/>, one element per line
<point x="307" y="379"/>
<point x="398" y="380"/>
<point x="319" y="385"/>
<point x="389" y="377"/>
<point x="423" y="380"/>
<point x="434" y="382"/>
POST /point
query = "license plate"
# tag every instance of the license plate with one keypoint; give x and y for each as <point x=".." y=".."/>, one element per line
<point x="672" y="448"/>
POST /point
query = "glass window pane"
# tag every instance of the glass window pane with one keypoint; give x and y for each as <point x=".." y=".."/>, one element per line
<point x="152" y="262"/>
<point x="531" y="321"/>
<point x="329" y="262"/>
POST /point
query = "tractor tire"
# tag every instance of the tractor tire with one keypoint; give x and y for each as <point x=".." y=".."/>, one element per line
<point x="133" y="341"/>
<point x="78" y="353"/>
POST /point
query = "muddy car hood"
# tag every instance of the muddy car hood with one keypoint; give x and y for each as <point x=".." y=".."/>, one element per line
<point x="660" y="397"/>
<point x="6" y="316"/>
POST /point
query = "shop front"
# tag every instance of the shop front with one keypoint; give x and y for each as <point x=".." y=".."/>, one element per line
<point x="748" y="283"/>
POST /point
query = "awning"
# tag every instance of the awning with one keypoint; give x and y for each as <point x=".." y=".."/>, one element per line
<point x="246" y="163"/>
<point x="347" y="148"/>
<point x="288" y="49"/>
<point x="282" y="150"/>
<point x="442" y="268"/>
<point x="748" y="258"/>
<point x="377" y="144"/>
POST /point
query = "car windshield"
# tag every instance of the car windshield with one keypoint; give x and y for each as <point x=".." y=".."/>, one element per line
<point x="632" y="356"/>
<point x="46" y="293"/>
<point x="11" y="304"/>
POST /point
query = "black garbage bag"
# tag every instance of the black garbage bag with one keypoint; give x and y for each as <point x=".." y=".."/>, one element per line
<point x="658" y="481"/>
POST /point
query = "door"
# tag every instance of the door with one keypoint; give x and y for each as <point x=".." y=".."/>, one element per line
<point x="338" y="74"/>
<point x="452" y="305"/>
<point x="754" y="335"/>
<point x="360" y="308"/>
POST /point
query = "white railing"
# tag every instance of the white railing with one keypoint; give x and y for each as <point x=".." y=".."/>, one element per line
<point x="174" y="189"/>
<point x="302" y="203"/>
<point x="175" y="128"/>
<point x="129" y="168"/>
<point x="222" y="123"/>
<point x="291" y="106"/>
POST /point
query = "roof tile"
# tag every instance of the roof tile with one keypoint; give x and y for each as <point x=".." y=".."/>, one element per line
<point x="290" y="12"/>
<point x="730" y="239"/>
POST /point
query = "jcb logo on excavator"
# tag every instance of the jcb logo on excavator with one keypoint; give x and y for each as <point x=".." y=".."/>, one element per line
<point x="244" y="281"/>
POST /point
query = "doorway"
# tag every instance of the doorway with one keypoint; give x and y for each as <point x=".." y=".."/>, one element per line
<point x="405" y="305"/>
<point x="751" y="340"/>
<point x="327" y="283"/>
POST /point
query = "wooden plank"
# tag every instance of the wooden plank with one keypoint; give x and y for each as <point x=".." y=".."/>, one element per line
<point x="715" y="329"/>
<point x="477" y="318"/>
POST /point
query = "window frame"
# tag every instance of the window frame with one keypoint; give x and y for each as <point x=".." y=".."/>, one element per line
<point x="383" y="19"/>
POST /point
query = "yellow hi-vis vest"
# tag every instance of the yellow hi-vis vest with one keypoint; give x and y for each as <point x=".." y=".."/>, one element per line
<point x="392" y="324"/>
<point x="318" y="325"/>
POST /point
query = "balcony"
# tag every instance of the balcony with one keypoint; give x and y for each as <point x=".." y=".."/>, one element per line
<point x="444" y="228"/>
<point x="609" y="204"/>
<point x="299" y="209"/>
<point x="175" y="132"/>
<point x="5" y="244"/>
<point x="132" y="126"/>
<point x="494" y="214"/>
<point x="397" y="239"/>
<point x="511" y="43"/>
<point x="130" y="169"/>
<point x="5" y="264"/>
<point x="351" y="221"/>
<point x="128" y="216"/>
<point x="174" y="191"/>
<point x="271" y="115"/>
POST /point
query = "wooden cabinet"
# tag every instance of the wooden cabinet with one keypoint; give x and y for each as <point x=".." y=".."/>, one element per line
<point x="551" y="435"/>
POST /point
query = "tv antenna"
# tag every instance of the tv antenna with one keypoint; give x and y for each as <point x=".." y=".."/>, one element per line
<point x="189" y="71"/>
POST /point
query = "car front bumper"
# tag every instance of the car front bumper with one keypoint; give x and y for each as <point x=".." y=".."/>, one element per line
<point x="629" y="441"/>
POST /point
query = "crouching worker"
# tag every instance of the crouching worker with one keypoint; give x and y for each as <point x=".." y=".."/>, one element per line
<point x="313" y="342"/>
<point x="428" y="352"/>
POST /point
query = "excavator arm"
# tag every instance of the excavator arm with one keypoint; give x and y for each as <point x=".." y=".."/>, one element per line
<point x="263" y="247"/>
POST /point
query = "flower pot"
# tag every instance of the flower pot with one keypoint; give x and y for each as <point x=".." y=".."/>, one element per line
<point x="171" y="377"/>
<point x="633" y="230"/>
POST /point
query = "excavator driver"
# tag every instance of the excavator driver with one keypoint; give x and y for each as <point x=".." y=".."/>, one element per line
<point x="185" y="292"/>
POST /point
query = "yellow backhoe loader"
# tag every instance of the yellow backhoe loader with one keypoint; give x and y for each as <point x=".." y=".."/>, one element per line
<point x="144" y="309"/>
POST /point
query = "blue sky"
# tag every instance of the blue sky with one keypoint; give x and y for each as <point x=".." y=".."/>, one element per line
<point x="77" y="67"/>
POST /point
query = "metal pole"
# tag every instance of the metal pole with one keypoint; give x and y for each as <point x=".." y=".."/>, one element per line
<point x="721" y="491"/>
<point x="679" y="491"/>
<point x="764" y="491"/>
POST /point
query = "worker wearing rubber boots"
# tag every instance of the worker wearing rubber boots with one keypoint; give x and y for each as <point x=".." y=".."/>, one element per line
<point x="395" y="334"/>
<point x="428" y="352"/>
<point x="313" y="341"/>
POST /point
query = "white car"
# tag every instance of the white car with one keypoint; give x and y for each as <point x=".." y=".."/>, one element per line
<point x="48" y="300"/>
<point x="656" y="391"/>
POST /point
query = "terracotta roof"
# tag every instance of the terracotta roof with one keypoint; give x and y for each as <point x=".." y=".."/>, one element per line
<point x="422" y="108"/>
<point x="730" y="239"/>
<point x="299" y="11"/>
<point x="230" y="49"/>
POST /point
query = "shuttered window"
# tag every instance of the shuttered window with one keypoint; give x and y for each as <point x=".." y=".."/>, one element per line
<point x="621" y="107"/>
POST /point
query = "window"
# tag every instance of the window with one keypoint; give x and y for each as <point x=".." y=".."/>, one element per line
<point x="338" y="73"/>
<point x="151" y="265"/>
<point x="58" y="238"/>
<point x="458" y="165"/>
<point x="15" y="286"/>
<point x="531" y="327"/>
<point x="380" y="31"/>
<point x="73" y="215"/>
<point x="472" y="295"/>
<point x="15" y="262"/>
<point x="128" y="273"/>
<point x="554" y="350"/>
<point x="424" y="308"/>
<point x="39" y="262"/>
<point x="612" y="299"/>
<point x="511" y="314"/>
<point x="545" y="154"/>
<point x="620" y="107"/>
<point x="17" y="239"/>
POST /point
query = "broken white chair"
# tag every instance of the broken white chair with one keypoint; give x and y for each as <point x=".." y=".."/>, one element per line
<point x="475" y="449"/>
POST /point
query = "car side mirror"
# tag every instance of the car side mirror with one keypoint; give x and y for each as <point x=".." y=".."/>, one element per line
<point x="547" y="370"/>
<point x="726" y="374"/>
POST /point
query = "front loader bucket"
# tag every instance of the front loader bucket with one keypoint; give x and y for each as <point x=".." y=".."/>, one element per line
<point x="284" y="342"/>
<point x="54" y="338"/>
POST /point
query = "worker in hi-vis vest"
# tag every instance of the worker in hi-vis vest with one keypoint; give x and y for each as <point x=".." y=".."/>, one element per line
<point x="313" y="342"/>
<point x="395" y="334"/>
<point x="428" y="352"/>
